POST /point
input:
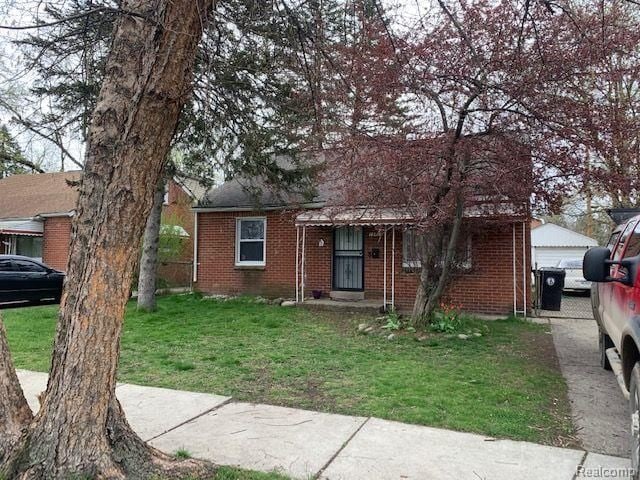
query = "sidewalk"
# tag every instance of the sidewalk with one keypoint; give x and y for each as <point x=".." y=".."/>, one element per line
<point x="306" y="444"/>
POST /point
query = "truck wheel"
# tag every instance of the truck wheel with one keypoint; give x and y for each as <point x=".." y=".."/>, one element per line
<point x="604" y="342"/>
<point x="634" y="408"/>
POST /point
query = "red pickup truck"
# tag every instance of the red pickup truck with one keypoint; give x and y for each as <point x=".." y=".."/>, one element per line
<point x="615" y="298"/>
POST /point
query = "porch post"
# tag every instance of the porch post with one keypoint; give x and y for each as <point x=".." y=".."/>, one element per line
<point x="304" y="236"/>
<point x="384" y="277"/>
<point x="524" y="270"/>
<point x="513" y="254"/>
<point x="393" y="267"/>
<point x="297" y="266"/>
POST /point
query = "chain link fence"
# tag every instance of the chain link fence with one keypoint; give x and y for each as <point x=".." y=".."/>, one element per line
<point x="573" y="303"/>
<point x="175" y="274"/>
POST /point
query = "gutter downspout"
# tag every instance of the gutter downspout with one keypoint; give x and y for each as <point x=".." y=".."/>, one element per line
<point x="384" y="277"/>
<point x="513" y="244"/>
<point x="195" y="247"/>
<point x="524" y="269"/>
<point x="304" y="237"/>
<point x="297" y="265"/>
<point x="393" y="268"/>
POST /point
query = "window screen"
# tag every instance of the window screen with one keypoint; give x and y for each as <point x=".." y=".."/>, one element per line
<point x="250" y="241"/>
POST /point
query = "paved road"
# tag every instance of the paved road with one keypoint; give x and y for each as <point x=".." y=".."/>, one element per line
<point x="597" y="404"/>
<point x="306" y="444"/>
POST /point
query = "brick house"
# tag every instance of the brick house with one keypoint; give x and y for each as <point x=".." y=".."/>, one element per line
<point x="288" y="248"/>
<point x="36" y="212"/>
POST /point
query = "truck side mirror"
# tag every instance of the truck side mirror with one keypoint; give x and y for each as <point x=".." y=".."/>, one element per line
<point x="596" y="266"/>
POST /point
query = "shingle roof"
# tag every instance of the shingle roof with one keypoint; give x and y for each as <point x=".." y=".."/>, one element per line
<point x="255" y="193"/>
<point x="25" y="196"/>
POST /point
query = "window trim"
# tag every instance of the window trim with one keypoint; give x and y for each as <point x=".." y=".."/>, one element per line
<point x="238" y="240"/>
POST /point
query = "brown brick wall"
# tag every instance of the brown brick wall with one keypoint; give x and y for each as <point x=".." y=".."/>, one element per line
<point x="217" y="272"/>
<point x="178" y="212"/>
<point x="55" y="242"/>
<point x="487" y="287"/>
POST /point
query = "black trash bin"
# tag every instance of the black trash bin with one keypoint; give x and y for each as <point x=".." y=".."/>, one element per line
<point x="551" y="286"/>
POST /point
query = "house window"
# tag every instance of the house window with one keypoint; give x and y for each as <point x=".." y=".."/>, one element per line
<point x="29" y="246"/>
<point x="251" y="241"/>
<point x="410" y="249"/>
<point x="411" y="257"/>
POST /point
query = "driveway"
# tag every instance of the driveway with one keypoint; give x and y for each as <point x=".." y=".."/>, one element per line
<point x="597" y="404"/>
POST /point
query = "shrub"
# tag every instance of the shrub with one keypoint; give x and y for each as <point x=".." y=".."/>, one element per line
<point x="446" y="319"/>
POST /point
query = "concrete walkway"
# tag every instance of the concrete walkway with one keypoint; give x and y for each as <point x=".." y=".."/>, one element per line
<point x="305" y="444"/>
<point x="599" y="410"/>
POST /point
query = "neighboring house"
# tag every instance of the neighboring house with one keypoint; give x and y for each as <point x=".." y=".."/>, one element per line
<point x="551" y="243"/>
<point x="288" y="247"/>
<point x="35" y="216"/>
<point x="36" y="212"/>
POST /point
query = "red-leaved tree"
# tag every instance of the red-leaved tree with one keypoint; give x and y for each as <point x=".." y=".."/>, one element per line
<point x="476" y="106"/>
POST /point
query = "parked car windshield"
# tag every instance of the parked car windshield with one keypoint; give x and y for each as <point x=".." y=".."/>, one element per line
<point x="572" y="263"/>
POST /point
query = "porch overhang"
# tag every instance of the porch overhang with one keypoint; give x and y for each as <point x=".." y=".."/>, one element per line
<point x="330" y="216"/>
<point x="367" y="216"/>
<point x="26" y="226"/>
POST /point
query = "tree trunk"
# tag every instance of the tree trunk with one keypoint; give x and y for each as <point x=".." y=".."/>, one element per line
<point x="147" y="80"/>
<point x="15" y="414"/>
<point x="436" y="267"/>
<point x="149" y="260"/>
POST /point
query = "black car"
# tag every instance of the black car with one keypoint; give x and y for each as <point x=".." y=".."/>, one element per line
<point x="23" y="279"/>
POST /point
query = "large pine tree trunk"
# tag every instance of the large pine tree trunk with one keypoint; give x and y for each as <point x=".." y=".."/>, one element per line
<point x="149" y="259"/>
<point x="15" y="414"/>
<point x="147" y="81"/>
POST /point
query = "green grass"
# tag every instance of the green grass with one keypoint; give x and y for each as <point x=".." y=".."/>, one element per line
<point x="503" y="384"/>
<point x="228" y="473"/>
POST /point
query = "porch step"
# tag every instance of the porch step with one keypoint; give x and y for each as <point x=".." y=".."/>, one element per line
<point x="344" y="295"/>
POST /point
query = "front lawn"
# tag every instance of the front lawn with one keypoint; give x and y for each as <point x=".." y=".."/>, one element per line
<point x="505" y="383"/>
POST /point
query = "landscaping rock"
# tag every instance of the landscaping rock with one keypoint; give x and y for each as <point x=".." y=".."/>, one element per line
<point x="362" y="327"/>
<point x="477" y="334"/>
<point x="369" y="330"/>
<point x="277" y="301"/>
<point x="391" y="336"/>
<point x="462" y="336"/>
<point x="422" y="338"/>
<point x="215" y="297"/>
<point x="288" y="303"/>
<point x="261" y="300"/>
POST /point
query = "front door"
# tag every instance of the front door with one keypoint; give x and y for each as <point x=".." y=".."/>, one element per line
<point x="348" y="259"/>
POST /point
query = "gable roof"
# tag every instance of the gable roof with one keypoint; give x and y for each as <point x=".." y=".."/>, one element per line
<point x="255" y="193"/>
<point x="29" y="195"/>
<point x="552" y="235"/>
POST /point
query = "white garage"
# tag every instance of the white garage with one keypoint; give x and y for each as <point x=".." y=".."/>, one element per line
<point x="551" y="243"/>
